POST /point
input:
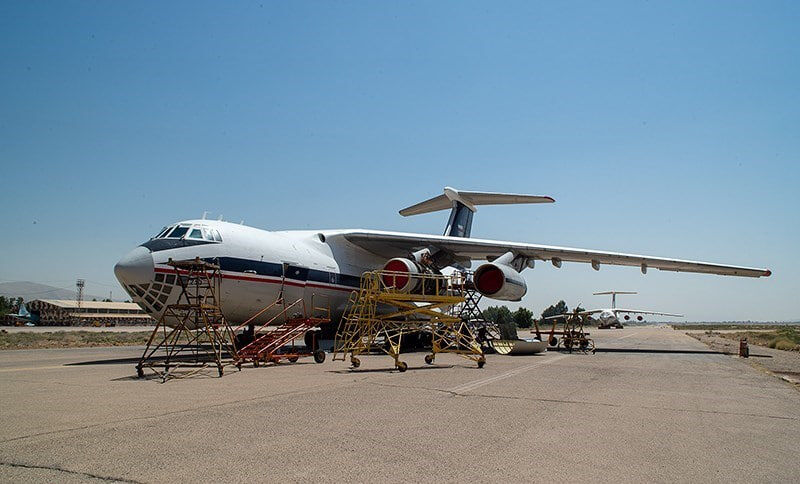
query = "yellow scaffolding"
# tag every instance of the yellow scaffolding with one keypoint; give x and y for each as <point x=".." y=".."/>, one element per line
<point x="379" y="314"/>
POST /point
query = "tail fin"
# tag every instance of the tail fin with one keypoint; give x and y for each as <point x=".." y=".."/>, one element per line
<point x="463" y="205"/>
<point x="613" y="296"/>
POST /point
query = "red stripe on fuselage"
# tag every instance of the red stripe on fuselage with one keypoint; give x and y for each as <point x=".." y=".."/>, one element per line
<point x="287" y="282"/>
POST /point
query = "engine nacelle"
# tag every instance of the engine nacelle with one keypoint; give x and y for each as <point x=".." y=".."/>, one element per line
<point x="401" y="276"/>
<point x="640" y="318"/>
<point x="627" y="317"/>
<point x="499" y="281"/>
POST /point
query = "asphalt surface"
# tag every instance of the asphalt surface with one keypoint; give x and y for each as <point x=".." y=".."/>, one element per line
<point x="679" y="413"/>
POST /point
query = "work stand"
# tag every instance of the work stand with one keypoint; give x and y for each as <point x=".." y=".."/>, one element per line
<point x="191" y="334"/>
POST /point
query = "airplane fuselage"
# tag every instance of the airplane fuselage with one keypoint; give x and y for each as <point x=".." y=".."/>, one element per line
<point x="257" y="267"/>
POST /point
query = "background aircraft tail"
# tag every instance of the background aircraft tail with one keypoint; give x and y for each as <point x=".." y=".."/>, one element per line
<point x="613" y="296"/>
<point x="464" y="204"/>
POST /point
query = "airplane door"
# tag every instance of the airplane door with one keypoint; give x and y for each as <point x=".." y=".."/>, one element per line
<point x="293" y="282"/>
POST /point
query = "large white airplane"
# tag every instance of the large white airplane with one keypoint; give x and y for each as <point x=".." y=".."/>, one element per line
<point x="258" y="266"/>
<point x="609" y="317"/>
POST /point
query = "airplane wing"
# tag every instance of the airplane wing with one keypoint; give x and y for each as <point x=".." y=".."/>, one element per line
<point x="400" y="244"/>
<point x="639" y="311"/>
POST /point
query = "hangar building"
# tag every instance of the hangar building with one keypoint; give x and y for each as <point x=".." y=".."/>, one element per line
<point x="65" y="312"/>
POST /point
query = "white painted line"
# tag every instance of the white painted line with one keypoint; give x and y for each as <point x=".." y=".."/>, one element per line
<point x="466" y="387"/>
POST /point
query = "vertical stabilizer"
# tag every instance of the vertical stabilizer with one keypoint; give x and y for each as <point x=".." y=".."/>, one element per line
<point x="464" y="204"/>
<point x="613" y="296"/>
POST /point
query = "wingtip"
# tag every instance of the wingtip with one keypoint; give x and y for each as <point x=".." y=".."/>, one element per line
<point x="767" y="273"/>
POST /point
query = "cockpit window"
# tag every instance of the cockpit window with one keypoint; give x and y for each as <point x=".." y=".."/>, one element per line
<point x="216" y="235"/>
<point x="178" y="232"/>
<point x="196" y="234"/>
<point x="163" y="231"/>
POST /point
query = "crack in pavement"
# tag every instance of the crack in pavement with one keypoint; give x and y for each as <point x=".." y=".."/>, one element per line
<point x="581" y="402"/>
<point x="67" y="471"/>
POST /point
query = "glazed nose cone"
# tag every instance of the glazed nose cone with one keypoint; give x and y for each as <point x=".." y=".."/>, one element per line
<point x="136" y="267"/>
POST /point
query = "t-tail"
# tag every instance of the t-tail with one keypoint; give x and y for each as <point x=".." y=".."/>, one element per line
<point x="464" y="204"/>
<point x="613" y="296"/>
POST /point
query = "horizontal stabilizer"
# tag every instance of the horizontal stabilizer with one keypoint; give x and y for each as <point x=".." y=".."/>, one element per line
<point x="470" y="200"/>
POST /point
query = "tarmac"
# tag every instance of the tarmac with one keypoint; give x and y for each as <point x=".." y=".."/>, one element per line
<point x="652" y="404"/>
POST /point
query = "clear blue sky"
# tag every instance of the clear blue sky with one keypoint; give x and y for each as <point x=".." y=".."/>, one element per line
<point x="663" y="128"/>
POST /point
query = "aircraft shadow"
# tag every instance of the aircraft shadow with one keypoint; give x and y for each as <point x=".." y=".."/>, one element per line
<point x="677" y="352"/>
<point x="388" y="370"/>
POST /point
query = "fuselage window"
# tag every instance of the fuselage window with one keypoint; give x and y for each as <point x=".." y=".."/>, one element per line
<point x="178" y="232"/>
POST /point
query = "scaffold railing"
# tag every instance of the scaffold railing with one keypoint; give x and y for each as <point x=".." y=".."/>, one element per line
<point x="379" y="315"/>
<point x="191" y="334"/>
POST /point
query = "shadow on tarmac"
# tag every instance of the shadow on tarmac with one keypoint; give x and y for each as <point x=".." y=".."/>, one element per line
<point x="677" y="352"/>
<point x="351" y="370"/>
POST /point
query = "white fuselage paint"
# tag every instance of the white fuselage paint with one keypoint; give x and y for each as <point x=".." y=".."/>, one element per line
<point x="244" y="292"/>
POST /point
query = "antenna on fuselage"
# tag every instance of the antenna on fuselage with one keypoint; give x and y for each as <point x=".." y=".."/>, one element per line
<point x="205" y="214"/>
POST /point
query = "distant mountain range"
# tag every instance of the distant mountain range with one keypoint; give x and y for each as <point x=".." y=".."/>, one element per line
<point x="32" y="290"/>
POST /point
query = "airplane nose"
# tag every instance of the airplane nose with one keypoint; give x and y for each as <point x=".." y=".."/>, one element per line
<point x="136" y="267"/>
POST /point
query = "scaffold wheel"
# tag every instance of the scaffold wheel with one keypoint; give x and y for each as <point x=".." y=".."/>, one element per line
<point x="355" y="362"/>
<point x="429" y="359"/>
<point x="293" y="359"/>
<point x="553" y="341"/>
<point x="481" y="362"/>
<point x="401" y="366"/>
<point x="319" y="356"/>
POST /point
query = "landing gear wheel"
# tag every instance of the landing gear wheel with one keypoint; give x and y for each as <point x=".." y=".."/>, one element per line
<point x="429" y="359"/>
<point x="481" y="362"/>
<point x="293" y="359"/>
<point x="319" y="356"/>
<point x="355" y="362"/>
<point x="401" y="366"/>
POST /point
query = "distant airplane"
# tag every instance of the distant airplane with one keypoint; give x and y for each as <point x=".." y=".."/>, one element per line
<point x="260" y="266"/>
<point x="23" y="315"/>
<point x="609" y="318"/>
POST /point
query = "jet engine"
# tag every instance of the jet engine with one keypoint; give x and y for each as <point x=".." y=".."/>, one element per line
<point x="401" y="274"/>
<point x="627" y="317"/>
<point x="499" y="281"/>
<point x="640" y="318"/>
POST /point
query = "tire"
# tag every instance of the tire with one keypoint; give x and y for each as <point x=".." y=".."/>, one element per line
<point x="481" y="362"/>
<point x="293" y="359"/>
<point x="319" y="356"/>
<point x="429" y="359"/>
<point x="355" y="362"/>
<point x="401" y="366"/>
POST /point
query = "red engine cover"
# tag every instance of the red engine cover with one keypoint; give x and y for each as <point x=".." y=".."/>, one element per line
<point x="489" y="281"/>
<point x="399" y="281"/>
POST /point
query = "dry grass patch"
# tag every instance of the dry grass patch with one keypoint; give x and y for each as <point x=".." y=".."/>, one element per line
<point x="71" y="339"/>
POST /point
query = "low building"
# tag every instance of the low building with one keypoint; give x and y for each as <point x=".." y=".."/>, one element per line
<point x="65" y="312"/>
